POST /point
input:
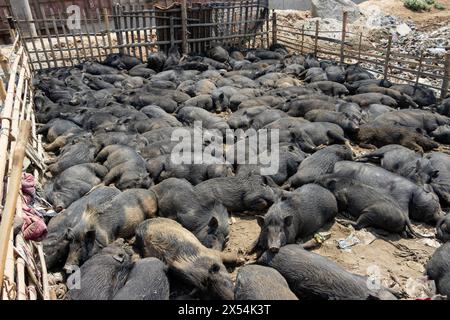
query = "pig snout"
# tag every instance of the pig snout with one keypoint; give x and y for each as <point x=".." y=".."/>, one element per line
<point x="274" y="243"/>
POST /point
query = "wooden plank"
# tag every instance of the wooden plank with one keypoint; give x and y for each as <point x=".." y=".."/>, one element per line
<point x="446" y="81"/>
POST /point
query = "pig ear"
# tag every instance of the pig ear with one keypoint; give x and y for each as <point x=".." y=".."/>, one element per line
<point x="288" y="221"/>
<point x="213" y="223"/>
<point x="260" y="220"/>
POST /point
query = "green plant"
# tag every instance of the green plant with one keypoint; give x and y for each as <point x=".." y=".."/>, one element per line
<point x="430" y="2"/>
<point x="439" y="6"/>
<point x="417" y="5"/>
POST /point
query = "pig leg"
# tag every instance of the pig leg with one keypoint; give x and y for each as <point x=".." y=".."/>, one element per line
<point x="113" y="175"/>
<point x="231" y="259"/>
<point x="102" y="155"/>
<point x="412" y="145"/>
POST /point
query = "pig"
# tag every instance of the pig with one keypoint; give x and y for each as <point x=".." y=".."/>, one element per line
<point x="73" y="183"/>
<point x="127" y="169"/>
<point x="314" y="75"/>
<point x="73" y="154"/>
<point x="443" y="229"/>
<point x="438" y="269"/>
<point x="206" y="218"/>
<point x="311" y="135"/>
<point x="103" y="275"/>
<point x="290" y="157"/>
<point x="162" y="168"/>
<point x="155" y="112"/>
<point x="420" y="202"/>
<point x="441" y="180"/>
<point x="58" y="127"/>
<point x="329" y="88"/>
<point x="240" y="193"/>
<point x="255" y="282"/>
<point x="219" y="54"/>
<point x="98" y="69"/>
<point x="444" y="107"/>
<point x="142" y="71"/>
<point x="403" y="100"/>
<point x="188" y="115"/>
<point x="311" y="62"/>
<point x="403" y="161"/>
<point x="300" y="107"/>
<point x="335" y="73"/>
<point x="366" y="99"/>
<point x="421" y="95"/>
<point x="101" y="225"/>
<point x="313" y="277"/>
<point x="55" y="245"/>
<point x="121" y="61"/>
<point x="382" y="135"/>
<point x="349" y="125"/>
<point x="354" y="73"/>
<point x="415" y="120"/>
<point x="185" y="256"/>
<point x="147" y="280"/>
<point x="156" y="61"/>
<point x="375" y="110"/>
<point x="355" y="85"/>
<point x="369" y="206"/>
<point x="319" y="164"/>
<point x="442" y="134"/>
<point x="296" y="217"/>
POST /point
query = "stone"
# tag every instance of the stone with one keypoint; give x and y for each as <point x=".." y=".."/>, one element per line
<point x="403" y="29"/>
<point x="334" y="9"/>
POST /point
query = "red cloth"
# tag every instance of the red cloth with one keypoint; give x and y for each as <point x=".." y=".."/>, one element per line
<point x="33" y="227"/>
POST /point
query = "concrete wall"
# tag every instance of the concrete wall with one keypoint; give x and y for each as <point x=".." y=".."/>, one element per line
<point x="296" y="4"/>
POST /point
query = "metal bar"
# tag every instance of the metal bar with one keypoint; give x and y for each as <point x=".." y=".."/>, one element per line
<point x="344" y="30"/>
<point x="388" y="55"/>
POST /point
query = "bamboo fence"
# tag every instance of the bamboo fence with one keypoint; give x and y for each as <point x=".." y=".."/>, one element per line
<point x="385" y="61"/>
<point x="23" y="274"/>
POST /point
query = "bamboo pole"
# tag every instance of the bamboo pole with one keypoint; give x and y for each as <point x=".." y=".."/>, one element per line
<point x="6" y="120"/>
<point x="13" y="194"/>
<point x="45" y="285"/>
<point x="32" y="292"/>
<point x="344" y="34"/>
<point x="2" y="91"/>
<point x="316" y="39"/>
<point x="184" y="28"/>
<point x="107" y="28"/>
<point x="446" y="81"/>
<point x="274" y="28"/>
<point x="386" y="60"/>
<point x="21" y="285"/>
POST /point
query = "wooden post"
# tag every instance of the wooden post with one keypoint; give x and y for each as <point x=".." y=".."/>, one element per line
<point x="13" y="194"/>
<point x="419" y="71"/>
<point x="344" y="34"/>
<point x="360" y="46"/>
<point x="388" y="56"/>
<point x="172" y="31"/>
<point x="107" y="28"/>
<point x="302" y="45"/>
<point x="274" y="28"/>
<point x="184" y="28"/>
<point x="446" y="81"/>
<point x="316" y="40"/>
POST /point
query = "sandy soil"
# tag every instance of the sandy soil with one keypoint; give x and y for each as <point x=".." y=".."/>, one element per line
<point x="424" y="20"/>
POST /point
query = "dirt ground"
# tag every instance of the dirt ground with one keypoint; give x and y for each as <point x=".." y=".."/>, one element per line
<point x="424" y="20"/>
<point x="398" y="263"/>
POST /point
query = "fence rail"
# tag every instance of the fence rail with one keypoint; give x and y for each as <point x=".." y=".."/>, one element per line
<point x="350" y="47"/>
